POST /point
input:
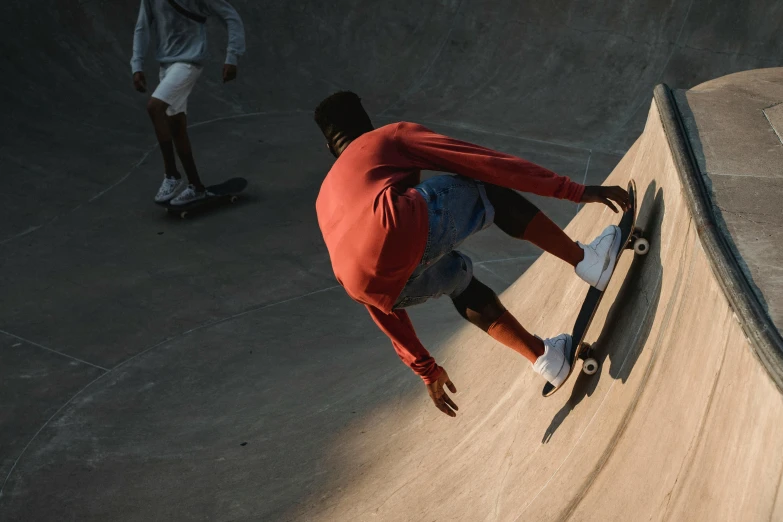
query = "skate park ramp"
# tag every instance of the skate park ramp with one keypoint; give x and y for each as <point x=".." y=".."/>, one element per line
<point x="211" y="369"/>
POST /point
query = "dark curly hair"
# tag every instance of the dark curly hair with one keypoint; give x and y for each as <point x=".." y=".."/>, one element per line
<point x="342" y="115"/>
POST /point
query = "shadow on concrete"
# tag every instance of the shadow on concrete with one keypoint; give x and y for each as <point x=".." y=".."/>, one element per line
<point x="630" y="319"/>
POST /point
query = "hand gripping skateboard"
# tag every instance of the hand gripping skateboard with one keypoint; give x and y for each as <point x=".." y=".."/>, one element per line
<point x="632" y="239"/>
<point x="223" y="193"/>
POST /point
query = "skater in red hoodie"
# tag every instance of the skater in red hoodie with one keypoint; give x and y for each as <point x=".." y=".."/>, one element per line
<point x="392" y="238"/>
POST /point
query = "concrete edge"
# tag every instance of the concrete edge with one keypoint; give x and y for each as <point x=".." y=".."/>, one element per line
<point x="762" y="334"/>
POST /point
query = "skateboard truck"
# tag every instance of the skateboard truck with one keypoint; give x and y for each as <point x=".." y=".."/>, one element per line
<point x="589" y="364"/>
<point x="638" y="243"/>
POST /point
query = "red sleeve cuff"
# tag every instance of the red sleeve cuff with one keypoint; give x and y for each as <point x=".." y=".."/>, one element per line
<point x="433" y="375"/>
<point x="576" y="195"/>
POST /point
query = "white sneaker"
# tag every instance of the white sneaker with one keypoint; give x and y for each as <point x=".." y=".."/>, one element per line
<point x="600" y="257"/>
<point x="168" y="189"/>
<point x="189" y="195"/>
<point x="553" y="365"/>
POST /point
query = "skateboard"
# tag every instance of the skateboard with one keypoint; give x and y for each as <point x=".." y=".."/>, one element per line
<point x="226" y="192"/>
<point x="632" y="239"/>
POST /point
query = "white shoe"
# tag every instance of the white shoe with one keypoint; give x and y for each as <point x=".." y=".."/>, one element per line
<point x="189" y="195"/>
<point x="553" y="365"/>
<point x="600" y="257"/>
<point x="168" y="189"/>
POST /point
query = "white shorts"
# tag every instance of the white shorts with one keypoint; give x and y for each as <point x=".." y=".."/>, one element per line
<point x="176" y="83"/>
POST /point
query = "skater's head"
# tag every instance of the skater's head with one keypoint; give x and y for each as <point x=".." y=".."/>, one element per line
<point x="342" y="119"/>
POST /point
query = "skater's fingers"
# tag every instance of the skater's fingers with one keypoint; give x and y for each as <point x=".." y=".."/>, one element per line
<point x="441" y="404"/>
<point x="451" y="387"/>
<point x="620" y="202"/>
<point x="450" y="402"/>
<point x="622" y="197"/>
<point x="139" y="82"/>
<point x="609" y="204"/>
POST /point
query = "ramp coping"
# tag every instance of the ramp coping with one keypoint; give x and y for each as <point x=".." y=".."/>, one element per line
<point x="761" y="332"/>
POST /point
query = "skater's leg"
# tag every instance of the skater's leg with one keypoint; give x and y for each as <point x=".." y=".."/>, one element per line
<point x="157" y="111"/>
<point x="521" y="219"/>
<point x="481" y="306"/>
<point x="452" y="275"/>
<point x="179" y="133"/>
<point x="171" y="98"/>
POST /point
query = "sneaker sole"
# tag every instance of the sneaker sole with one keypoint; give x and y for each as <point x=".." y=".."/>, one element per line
<point x="186" y="203"/>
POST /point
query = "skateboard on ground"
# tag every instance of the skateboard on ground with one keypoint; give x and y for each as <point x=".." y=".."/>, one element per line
<point x="223" y="193"/>
<point x="632" y="239"/>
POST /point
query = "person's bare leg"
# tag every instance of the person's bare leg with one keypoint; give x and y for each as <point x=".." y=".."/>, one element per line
<point x="482" y="307"/>
<point x="157" y="111"/>
<point x="179" y="134"/>
<point x="521" y="219"/>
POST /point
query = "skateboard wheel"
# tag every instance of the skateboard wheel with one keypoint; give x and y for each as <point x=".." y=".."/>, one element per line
<point x="183" y="214"/>
<point x="233" y="199"/>
<point x="641" y="246"/>
<point x="590" y="366"/>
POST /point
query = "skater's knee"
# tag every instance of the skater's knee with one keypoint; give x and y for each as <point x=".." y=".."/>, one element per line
<point x="156" y="107"/>
<point x="513" y="212"/>
<point x="479" y="304"/>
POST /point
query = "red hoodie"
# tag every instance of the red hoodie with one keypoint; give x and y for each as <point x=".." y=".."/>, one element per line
<point x="375" y="223"/>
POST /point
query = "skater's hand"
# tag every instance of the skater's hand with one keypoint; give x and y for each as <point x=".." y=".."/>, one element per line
<point x="439" y="397"/>
<point x="140" y="82"/>
<point x="229" y="72"/>
<point x="607" y="196"/>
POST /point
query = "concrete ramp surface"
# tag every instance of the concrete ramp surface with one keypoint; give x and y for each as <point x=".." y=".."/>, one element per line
<point x="153" y="368"/>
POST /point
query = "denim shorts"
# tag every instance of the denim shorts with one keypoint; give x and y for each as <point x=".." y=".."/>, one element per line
<point x="457" y="207"/>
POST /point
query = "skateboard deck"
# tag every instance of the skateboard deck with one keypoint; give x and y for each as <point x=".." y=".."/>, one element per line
<point x="632" y="239"/>
<point x="222" y="193"/>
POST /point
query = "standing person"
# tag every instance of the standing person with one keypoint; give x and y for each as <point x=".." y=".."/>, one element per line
<point x="392" y="238"/>
<point x="179" y="27"/>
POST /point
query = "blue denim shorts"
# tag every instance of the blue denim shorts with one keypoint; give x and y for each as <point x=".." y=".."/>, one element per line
<point x="458" y="207"/>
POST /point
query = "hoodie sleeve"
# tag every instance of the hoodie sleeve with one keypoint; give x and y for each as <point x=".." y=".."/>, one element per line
<point x="398" y="327"/>
<point x="431" y="151"/>
<point x="141" y="36"/>
<point x="234" y="25"/>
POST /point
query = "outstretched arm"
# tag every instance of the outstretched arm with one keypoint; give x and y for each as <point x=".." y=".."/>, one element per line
<point x="431" y="151"/>
<point x="141" y="37"/>
<point x="397" y="325"/>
